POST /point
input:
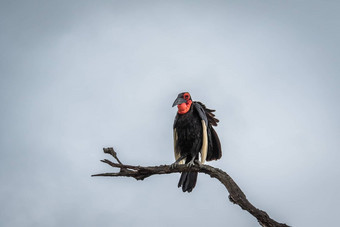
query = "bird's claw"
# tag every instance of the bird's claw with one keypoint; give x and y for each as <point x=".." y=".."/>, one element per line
<point x="199" y="163"/>
<point x="191" y="163"/>
<point x="173" y="165"/>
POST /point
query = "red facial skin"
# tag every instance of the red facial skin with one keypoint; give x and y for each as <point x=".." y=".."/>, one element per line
<point x="185" y="107"/>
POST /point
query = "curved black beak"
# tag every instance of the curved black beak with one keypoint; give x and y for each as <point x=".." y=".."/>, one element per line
<point x="179" y="101"/>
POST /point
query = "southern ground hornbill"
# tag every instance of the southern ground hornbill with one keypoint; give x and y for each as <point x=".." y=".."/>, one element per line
<point x="194" y="134"/>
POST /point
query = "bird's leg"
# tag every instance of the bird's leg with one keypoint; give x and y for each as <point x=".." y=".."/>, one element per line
<point x="173" y="165"/>
<point x="192" y="162"/>
<point x="198" y="163"/>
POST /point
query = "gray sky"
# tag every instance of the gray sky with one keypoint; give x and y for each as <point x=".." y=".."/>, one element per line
<point x="81" y="75"/>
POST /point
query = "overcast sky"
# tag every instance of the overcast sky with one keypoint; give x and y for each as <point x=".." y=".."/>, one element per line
<point x="77" y="76"/>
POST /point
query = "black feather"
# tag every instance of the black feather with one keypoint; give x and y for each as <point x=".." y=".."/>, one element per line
<point x="214" y="145"/>
<point x="215" y="151"/>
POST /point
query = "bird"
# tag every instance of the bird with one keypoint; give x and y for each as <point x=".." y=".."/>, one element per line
<point x="193" y="134"/>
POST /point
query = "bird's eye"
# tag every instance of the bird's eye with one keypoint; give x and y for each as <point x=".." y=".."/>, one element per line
<point x="186" y="96"/>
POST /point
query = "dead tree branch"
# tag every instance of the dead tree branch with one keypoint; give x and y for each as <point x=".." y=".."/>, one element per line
<point x="236" y="195"/>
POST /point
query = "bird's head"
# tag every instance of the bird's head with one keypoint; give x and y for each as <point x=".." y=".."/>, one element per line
<point x="183" y="102"/>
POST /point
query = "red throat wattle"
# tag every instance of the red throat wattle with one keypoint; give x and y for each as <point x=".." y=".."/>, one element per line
<point x="184" y="107"/>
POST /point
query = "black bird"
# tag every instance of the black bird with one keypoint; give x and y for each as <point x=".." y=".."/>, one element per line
<point x="194" y="134"/>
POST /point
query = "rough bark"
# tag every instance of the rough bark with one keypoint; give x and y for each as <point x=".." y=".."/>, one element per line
<point x="236" y="195"/>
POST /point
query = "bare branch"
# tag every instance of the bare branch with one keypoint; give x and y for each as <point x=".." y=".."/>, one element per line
<point x="236" y="195"/>
<point x="109" y="150"/>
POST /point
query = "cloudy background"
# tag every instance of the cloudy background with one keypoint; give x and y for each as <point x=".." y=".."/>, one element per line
<point x="77" y="76"/>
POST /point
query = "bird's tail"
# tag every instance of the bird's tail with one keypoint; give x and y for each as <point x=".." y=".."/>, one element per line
<point x="188" y="181"/>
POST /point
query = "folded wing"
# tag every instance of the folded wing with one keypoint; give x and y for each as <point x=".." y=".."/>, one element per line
<point x="213" y="149"/>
